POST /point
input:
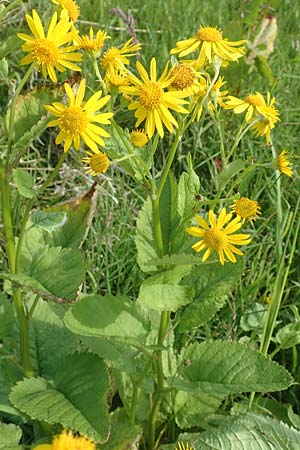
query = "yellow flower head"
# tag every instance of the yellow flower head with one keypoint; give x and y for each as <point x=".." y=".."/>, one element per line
<point x="246" y="209"/>
<point x="139" y="138"/>
<point x="97" y="162"/>
<point x="215" y="236"/>
<point x="183" y="446"/>
<point x="47" y="51"/>
<point x="92" y="43"/>
<point x="116" y="78"/>
<point x="212" y="47"/>
<point x="76" y="120"/>
<point x="253" y="104"/>
<point x="117" y="58"/>
<point x="69" y="9"/>
<point x="185" y="78"/>
<point x="66" y="441"/>
<point x="284" y="165"/>
<point x="152" y="102"/>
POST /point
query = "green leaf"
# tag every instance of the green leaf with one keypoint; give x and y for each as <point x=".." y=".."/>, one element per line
<point x="191" y="409"/>
<point x="77" y="400"/>
<point x="53" y="273"/>
<point x="122" y="435"/>
<point x="114" y="318"/>
<point x="176" y="259"/>
<point x="161" y="297"/>
<point x="144" y="239"/>
<point x="48" y="220"/>
<point x="219" y="368"/>
<point x="169" y="219"/>
<point x="10" y="435"/>
<point x="24" y="183"/>
<point x="253" y="317"/>
<point x="288" y="336"/>
<point x="29" y="136"/>
<point x="253" y="432"/>
<point x="230" y="171"/>
<point x="212" y="284"/>
<point x="51" y="341"/>
<point x="7" y="316"/>
<point x="188" y="188"/>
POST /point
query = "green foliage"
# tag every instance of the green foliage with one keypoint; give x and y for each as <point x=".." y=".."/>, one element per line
<point x="77" y="399"/>
<point x="212" y="284"/>
<point x="191" y="409"/>
<point x="230" y="171"/>
<point x="220" y="368"/>
<point x="188" y="189"/>
<point x="24" y="183"/>
<point x="117" y="319"/>
<point x="258" y="432"/>
<point x="123" y="435"/>
<point x="49" y="220"/>
<point x="144" y="239"/>
<point x="10" y="436"/>
<point x="45" y="278"/>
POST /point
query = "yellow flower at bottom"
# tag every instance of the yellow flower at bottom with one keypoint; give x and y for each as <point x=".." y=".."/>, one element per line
<point x="246" y="209"/>
<point x="66" y="441"/>
<point x="284" y="165"/>
<point x="98" y="163"/>
<point x="215" y="236"/>
<point x="139" y="138"/>
<point x="76" y="120"/>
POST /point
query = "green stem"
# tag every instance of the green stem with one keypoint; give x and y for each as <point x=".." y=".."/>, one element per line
<point x="11" y="255"/>
<point x="98" y="74"/>
<point x="244" y="128"/>
<point x="9" y="8"/>
<point x="13" y="111"/>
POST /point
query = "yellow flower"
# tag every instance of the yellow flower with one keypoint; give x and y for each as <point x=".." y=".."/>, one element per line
<point x="97" y="161"/>
<point x="183" y="446"/>
<point x="116" y="58"/>
<point x="214" y="98"/>
<point x="91" y="43"/>
<point x="284" y="165"/>
<point x="69" y="9"/>
<point x="184" y="78"/>
<point x="66" y="441"/>
<point x="215" y="237"/>
<point x="116" y="78"/>
<point x="153" y="103"/>
<point x="47" y="52"/>
<point x="139" y="138"/>
<point x="252" y="103"/>
<point x="212" y="46"/>
<point x="76" y="120"/>
<point x="246" y="209"/>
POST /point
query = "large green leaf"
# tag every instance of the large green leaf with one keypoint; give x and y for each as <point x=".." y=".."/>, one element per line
<point x="219" y="368"/>
<point x="144" y="239"/>
<point x="122" y="435"/>
<point x="54" y="273"/>
<point x="188" y="189"/>
<point x="10" y="435"/>
<point x="51" y="341"/>
<point x="77" y="399"/>
<point x="191" y="409"/>
<point x="169" y="218"/>
<point x="212" y="284"/>
<point x="24" y="183"/>
<point x="249" y="432"/>
<point x="114" y="318"/>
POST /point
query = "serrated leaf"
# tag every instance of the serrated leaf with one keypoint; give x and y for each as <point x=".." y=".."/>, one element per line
<point x="162" y="297"/>
<point x="249" y="432"/>
<point x="54" y="273"/>
<point x="191" y="409"/>
<point x="10" y="435"/>
<point x="230" y="171"/>
<point x="114" y="318"/>
<point x="48" y="220"/>
<point x="144" y="239"/>
<point x="123" y="435"/>
<point x="212" y="284"/>
<point x="24" y="183"/>
<point x="51" y="341"/>
<point x="77" y="400"/>
<point x="219" y="368"/>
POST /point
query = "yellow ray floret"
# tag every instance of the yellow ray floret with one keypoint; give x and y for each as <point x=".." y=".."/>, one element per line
<point x="215" y="236"/>
<point x="211" y="46"/>
<point x="92" y="43"/>
<point x="151" y="102"/>
<point x="117" y="58"/>
<point x="47" y="51"/>
<point x="76" y="120"/>
<point x="246" y="209"/>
